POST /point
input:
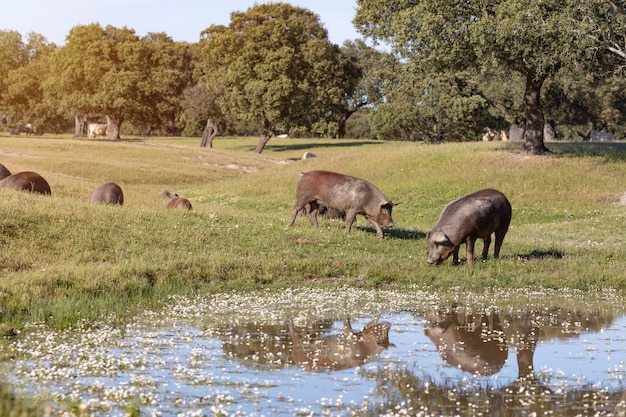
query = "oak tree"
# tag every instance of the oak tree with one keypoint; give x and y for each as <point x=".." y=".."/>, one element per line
<point x="113" y="73"/>
<point x="23" y="67"/>
<point x="272" y="65"/>
<point x="535" y="38"/>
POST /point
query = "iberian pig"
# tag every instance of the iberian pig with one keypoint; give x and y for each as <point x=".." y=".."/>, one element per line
<point x="474" y="216"/>
<point x="176" y="201"/>
<point x="4" y="172"/>
<point x="342" y="351"/>
<point x="108" y="193"/>
<point x="344" y="193"/>
<point x="179" y="203"/>
<point x="27" y="181"/>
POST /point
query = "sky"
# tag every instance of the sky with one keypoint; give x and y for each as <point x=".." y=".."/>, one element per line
<point x="182" y="20"/>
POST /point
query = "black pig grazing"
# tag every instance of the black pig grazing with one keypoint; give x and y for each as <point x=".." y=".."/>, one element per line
<point x="27" y="181"/>
<point x="107" y="193"/>
<point x="474" y="216"/>
<point x="344" y="193"/>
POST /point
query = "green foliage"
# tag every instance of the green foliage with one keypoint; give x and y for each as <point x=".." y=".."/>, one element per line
<point x="23" y="67"/>
<point x="430" y="107"/>
<point x="583" y="102"/>
<point x="273" y="66"/>
<point x="112" y="72"/>
<point x="533" y="38"/>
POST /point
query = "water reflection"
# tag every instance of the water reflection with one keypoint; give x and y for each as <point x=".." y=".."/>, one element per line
<point x="477" y="348"/>
<point x="345" y="350"/>
<point x="481" y="348"/>
<point x="415" y="358"/>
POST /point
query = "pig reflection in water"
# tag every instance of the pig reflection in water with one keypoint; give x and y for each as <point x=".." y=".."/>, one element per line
<point x="475" y="349"/>
<point x="342" y="351"/>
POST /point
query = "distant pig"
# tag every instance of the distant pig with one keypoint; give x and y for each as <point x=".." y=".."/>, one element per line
<point x="179" y="203"/>
<point x="176" y="201"/>
<point x="27" y="181"/>
<point x="344" y="193"/>
<point x="474" y="216"/>
<point x="108" y="193"/>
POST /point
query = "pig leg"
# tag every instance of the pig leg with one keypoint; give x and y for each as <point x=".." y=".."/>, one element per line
<point x="499" y="238"/>
<point x="296" y="209"/>
<point x="469" y="250"/>
<point x="486" y="244"/>
<point x="294" y="213"/>
<point x="455" y="254"/>
<point x="376" y="226"/>
<point x="350" y="218"/>
<point x="313" y="214"/>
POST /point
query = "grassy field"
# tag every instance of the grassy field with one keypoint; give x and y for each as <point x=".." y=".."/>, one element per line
<point x="63" y="260"/>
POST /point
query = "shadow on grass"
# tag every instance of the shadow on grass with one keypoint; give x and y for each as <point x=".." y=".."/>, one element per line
<point x="612" y="151"/>
<point x="541" y="254"/>
<point x="397" y="233"/>
<point x="310" y="144"/>
<point x="615" y="151"/>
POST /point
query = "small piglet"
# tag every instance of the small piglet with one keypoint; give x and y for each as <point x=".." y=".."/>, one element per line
<point x="474" y="216"/>
<point x="344" y="193"/>
<point x="179" y="203"/>
<point x="176" y="201"/>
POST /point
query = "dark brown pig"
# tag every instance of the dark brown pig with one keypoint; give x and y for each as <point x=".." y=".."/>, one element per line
<point x="479" y="350"/>
<point x="344" y="193"/>
<point x="27" y="181"/>
<point x="343" y="351"/>
<point x="474" y="216"/>
<point x="4" y="172"/>
<point x="108" y="193"/>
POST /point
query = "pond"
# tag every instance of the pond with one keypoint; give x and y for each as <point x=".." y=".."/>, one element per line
<point x="311" y="352"/>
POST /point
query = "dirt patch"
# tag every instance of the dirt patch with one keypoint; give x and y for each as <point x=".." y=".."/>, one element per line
<point x="243" y="168"/>
<point x="622" y="200"/>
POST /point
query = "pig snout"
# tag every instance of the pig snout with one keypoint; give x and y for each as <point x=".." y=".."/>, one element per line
<point x="433" y="261"/>
<point x="435" y="258"/>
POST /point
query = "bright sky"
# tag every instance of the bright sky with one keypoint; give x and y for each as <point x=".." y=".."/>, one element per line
<point x="182" y="20"/>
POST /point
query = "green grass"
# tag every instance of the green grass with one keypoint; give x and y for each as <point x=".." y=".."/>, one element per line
<point x="63" y="260"/>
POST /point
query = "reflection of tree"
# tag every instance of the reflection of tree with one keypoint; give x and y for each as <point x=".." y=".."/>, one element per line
<point x="527" y="395"/>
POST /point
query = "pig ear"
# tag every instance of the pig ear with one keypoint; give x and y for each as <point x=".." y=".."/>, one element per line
<point x="440" y="238"/>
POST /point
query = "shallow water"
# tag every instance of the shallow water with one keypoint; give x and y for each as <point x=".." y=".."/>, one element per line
<point x="508" y="353"/>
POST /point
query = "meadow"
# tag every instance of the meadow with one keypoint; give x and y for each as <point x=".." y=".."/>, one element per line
<point x="63" y="260"/>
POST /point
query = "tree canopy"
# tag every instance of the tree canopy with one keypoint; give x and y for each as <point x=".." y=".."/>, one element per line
<point x="453" y="70"/>
<point x="112" y="73"/>
<point x="273" y="66"/>
<point x="535" y="38"/>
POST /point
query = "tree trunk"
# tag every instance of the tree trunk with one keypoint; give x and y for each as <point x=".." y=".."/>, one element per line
<point x="210" y="131"/>
<point x="341" y="132"/>
<point x="79" y="126"/>
<point x="113" y="128"/>
<point x="533" y="130"/>
<point x="263" y="139"/>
